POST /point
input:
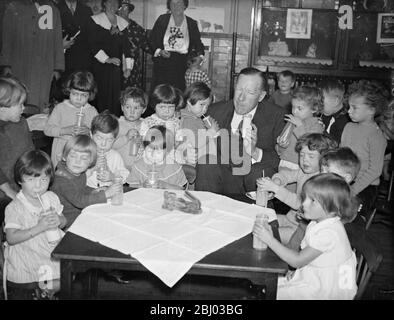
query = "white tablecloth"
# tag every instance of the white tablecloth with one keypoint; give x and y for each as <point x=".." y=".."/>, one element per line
<point x="167" y="243"/>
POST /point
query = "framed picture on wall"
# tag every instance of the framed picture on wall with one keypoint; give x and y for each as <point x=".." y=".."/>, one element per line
<point x="299" y="23"/>
<point x="385" y="30"/>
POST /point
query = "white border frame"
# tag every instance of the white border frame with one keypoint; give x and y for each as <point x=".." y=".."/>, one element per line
<point x="292" y="35"/>
<point x="379" y="39"/>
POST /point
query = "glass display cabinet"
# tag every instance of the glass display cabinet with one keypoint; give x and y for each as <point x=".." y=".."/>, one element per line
<point x="304" y="36"/>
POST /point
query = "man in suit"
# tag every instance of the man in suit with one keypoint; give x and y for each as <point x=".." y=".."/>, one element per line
<point x="74" y="16"/>
<point x="246" y="145"/>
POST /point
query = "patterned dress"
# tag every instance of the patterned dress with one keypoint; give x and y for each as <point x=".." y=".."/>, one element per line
<point x="139" y="41"/>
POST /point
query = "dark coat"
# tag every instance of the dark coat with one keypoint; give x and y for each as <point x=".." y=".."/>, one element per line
<point x="230" y="175"/>
<point x="77" y="56"/>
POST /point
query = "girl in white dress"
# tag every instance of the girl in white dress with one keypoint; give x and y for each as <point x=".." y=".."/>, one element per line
<point x="326" y="264"/>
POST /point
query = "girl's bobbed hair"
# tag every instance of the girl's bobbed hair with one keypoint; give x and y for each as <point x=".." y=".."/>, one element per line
<point x="33" y="163"/>
<point x="165" y="93"/>
<point x="81" y="81"/>
<point x="81" y="143"/>
<point x="333" y="194"/>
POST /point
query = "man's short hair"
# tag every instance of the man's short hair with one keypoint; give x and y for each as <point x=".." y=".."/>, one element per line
<point x="344" y="158"/>
<point x="250" y="71"/>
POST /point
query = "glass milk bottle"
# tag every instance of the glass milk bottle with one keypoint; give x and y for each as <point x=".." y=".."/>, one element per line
<point x="258" y="244"/>
<point x="284" y="137"/>
<point x="53" y="235"/>
<point x="117" y="199"/>
<point x="135" y="144"/>
<point x="80" y="116"/>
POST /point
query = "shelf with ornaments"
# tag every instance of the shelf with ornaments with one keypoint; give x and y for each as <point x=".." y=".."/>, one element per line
<point x="274" y="45"/>
<point x="364" y="48"/>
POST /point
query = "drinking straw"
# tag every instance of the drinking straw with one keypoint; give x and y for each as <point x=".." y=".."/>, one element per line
<point x="39" y="199"/>
<point x="263" y="174"/>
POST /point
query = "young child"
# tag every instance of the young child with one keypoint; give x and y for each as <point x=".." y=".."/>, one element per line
<point x="158" y="142"/>
<point x="341" y="161"/>
<point x="283" y="96"/>
<point x="133" y="102"/>
<point x="310" y="148"/>
<point x="28" y="250"/>
<point x="345" y="163"/>
<point x="306" y="102"/>
<point x="164" y="100"/>
<point x="198" y="97"/>
<point x="105" y="129"/>
<point x="79" y="155"/>
<point x="62" y="124"/>
<point x="335" y="116"/>
<point x="15" y="138"/>
<point x="194" y="72"/>
<point x="365" y="138"/>
<point x="326" y="264"/>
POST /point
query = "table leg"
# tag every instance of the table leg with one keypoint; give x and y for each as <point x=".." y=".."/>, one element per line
<point x="271" y="286"/>
<point x="265" y="288"/>
<point x="65" y="279"/>
<point x="92" y="284"/>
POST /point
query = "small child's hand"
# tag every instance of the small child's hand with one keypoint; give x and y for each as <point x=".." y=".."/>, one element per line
<point x="214" y="124"/>
<point x="267" y="185"/>
<point x="49" y="221"/>
<point x="67" y="131"/>
<point x="113" y="189"/>
<point x="81" y="130"/>
<point x="105" y="175"/>
<point x="132" y="133"/>
<point x="294" y="120"/>
<point x="263" y="232"/>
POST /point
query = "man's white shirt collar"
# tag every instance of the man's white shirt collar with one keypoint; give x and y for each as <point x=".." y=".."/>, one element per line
<point x="237" y="118"/>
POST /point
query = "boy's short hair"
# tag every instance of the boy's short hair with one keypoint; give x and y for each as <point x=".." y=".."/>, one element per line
<point x="311" y="95"/>
<point x="159" y="131"/>
<point x="198" y="91"/>
<point x="344" y="158"/>
<point x="334" y="87"/>
<point x="81" y="81"/>
<point x="136" y="94"/>
<point x="192" y="58"/>
<point x="321" y="142"/>
<point x="12" y="92"/>
<point x="375" y="95"/>
<point x="287" y="73"/>
<point x="164" y="93"/>
<point x="105" y="123"/>
<point x="33" y="163"/>
<point x="81" y="143"/>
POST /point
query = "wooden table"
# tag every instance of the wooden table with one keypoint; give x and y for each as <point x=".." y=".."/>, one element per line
<point x="236" y="260"/>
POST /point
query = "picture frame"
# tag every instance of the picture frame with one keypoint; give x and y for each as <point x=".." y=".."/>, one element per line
<point x="385" y="29"/>
<point x="299" y="23"/>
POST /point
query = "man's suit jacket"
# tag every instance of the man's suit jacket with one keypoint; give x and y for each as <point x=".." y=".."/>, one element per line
<point x="77" y="57"/>
<point x="269" y="120"/>
<point x="159" y="29"/>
